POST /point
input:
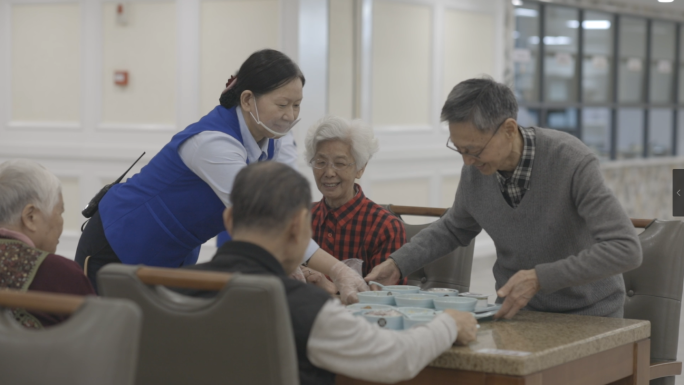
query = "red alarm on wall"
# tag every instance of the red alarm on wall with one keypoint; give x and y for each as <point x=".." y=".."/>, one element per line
<point x="121" y="78"/>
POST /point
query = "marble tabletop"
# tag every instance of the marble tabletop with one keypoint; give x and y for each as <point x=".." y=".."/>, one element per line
<point x="533" y="341"/>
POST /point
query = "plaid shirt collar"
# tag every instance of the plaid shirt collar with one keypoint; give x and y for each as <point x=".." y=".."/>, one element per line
<point x="519" y="182"/>
<point x="347" y="211"/>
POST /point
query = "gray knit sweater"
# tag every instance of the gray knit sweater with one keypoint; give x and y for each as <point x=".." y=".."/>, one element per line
<point x="569" y="227"/>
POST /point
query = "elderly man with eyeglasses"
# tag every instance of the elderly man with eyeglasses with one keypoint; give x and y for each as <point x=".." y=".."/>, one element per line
<point x="562" y="239"/>
<point x="345" y="222"/>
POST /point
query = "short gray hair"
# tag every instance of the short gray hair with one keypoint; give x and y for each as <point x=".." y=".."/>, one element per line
<point x="481" y="101"/>
<point x="24" y="182"/>
<point x="266" y="195"/>
<point x="356" y="133"/>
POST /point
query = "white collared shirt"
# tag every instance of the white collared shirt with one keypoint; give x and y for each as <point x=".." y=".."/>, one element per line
<point x="346" y="344"/>
<point x="217" y="157"/>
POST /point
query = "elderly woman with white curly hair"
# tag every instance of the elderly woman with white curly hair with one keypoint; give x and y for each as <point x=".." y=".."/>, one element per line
<point x="31" y="208"/>
<point x="345" y="223"/>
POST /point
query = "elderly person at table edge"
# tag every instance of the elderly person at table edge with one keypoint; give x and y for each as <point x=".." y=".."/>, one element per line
<point x="31" y="208"/>
<point x="270" y="222"/>
<point x="562" y="239"/>
<point x="345" y="223"/>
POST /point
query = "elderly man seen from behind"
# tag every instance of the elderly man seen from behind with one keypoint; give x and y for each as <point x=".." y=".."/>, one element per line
<point x="562" y="239"/>
<point x="345" y="222"/>
<point x="270" y="222"/>
<point x="31" y="208"/>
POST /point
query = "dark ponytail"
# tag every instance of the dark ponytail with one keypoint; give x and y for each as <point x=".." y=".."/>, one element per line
<point x="262" y="72"/>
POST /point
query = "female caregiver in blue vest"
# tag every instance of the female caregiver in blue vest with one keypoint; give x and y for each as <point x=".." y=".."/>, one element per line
<point x="162" y="215"/>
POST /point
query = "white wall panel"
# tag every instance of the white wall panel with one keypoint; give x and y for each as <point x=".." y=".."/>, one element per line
<point x="45" y="62"/>
<point x="230" y="32"/>
<point x="448" y="193"/>
<point x="469" y="44"/>
<point x="401" y="64"/>
<point x="72" y="203"/>
<point x="146" y="48"/>
<point x="404" y="192"/>
<point x="341" y="59"/>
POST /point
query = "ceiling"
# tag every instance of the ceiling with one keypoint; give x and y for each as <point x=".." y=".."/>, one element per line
<point x="647" y="8"/>
<point x="677" y="5"/>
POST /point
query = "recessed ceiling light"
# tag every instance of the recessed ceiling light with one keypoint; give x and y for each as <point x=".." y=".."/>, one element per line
<point x="589" y="24"/>
<point x="665" y="1"/>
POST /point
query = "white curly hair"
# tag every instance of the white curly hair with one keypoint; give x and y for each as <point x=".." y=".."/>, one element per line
<point x="24" y="182"/>
<point x="355" y="132"/>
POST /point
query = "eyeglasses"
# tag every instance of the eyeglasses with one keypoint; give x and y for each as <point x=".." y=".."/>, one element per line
<point x="322" y="164"/>
<point x="450" y="145"/>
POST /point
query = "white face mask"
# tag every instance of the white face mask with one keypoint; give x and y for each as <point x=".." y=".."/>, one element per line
<point x="276" y="134"/>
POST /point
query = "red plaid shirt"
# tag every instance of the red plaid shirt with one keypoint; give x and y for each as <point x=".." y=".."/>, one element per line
<point x="358" y="229"/>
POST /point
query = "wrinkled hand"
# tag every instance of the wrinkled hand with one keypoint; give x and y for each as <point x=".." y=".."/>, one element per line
<point x="466" y="324"/>
<point x="319" y="279"/>
<point x="348" y="282"/>
<point x="386" y="273"/>
<point x="298" y="275"/>
<point x="518" y="291"/>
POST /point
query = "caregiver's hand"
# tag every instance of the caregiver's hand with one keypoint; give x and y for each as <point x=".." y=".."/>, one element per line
<point x="348" y="282"/>
<point x="318" y="279"/>
<point x="386" y="273"/>
<point x="518" y="291"/>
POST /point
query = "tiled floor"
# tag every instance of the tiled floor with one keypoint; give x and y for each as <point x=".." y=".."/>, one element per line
<point x="482" y="281"/>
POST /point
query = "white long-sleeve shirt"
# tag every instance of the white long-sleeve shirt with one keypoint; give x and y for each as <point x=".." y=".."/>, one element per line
<point x="346" y="344"/>
<point x="217" y="157"/>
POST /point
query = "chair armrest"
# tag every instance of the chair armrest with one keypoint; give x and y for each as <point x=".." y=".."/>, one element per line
<point x="665" y="369"/>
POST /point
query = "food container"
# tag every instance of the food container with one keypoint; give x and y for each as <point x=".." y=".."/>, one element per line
<point x="456" y="303"/>
<point x="377" y="297"/>
<point x="414" y="311"/>
<point x="402" y="289"/>
<point x="410" y="322"/>
<point x="368" y="306"/>
<point x="415" y="300"/>
<point x="440" y="292"/>
<point x="387" y="318"/>
<point x="481" y="298"/>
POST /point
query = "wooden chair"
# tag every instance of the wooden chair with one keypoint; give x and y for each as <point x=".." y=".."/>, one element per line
<point x="98" y="344"/>
<point x="242" y="335"/>
<point x="654" y="293"/>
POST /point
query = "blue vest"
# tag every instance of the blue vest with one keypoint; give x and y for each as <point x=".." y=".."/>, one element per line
<point x="162" y="215"/>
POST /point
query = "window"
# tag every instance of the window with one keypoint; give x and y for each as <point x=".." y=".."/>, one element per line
<point x="609" y="79"/>
<point x="632" y="60"/>
<point x="526" y="51"/>
<point x="597" y="62"/>
<point x="631" y="133"/>
<point x="660" y="132"/>
<point x="596" y="126"/>
<point x="662" y="62"/>
<point x="560" y="54"/>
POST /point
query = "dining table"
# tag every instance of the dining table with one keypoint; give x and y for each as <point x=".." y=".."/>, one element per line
<point x="538" y="348"/>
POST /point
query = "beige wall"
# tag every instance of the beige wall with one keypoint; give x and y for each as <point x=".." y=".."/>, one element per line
<point x="72" y="207"/>
<point x="404" y="192"/>
<point x="341" y="59"/>
<point x="468" y="47"/>
<point x="448" y="193"/>
<point x="401" y="74"/>
<point x="146" y="48"/>
<point x="46" y="62"/>
<point x="230" y="32"/>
